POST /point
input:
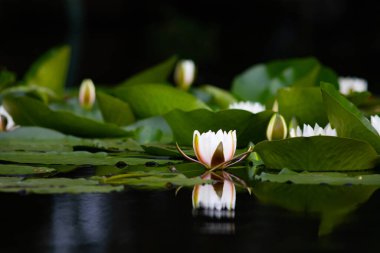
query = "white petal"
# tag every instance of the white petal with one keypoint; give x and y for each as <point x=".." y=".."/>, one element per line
<point x="348" y="85"/>
<point x="229" y="145"/>
<point x="375" y="122"/>
<point x="248" y="106"/>
<point x="229" y="195"/>
<point x="10" y="123"/>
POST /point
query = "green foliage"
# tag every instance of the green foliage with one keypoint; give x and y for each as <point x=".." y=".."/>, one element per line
<point x="261" y="82"/>
<point x="249" y="127"/>
<point x="13" y="169"/>
<point x="114" y="110"/>
<point x="7" y="78"/>
<point x="317" y="153"/>
<point x="219" y="97"/>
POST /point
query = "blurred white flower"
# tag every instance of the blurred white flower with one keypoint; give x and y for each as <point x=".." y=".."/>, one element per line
<point x="253" y="107"/>
<point x="87" y="94"/>
<point x="6" y="120"/>
<point x="348" y="85"/>
<point x="219" y="195"/>
<point x="375" y="122"/>
<point x="184" y="74"/>
<point x="309" y="131"/>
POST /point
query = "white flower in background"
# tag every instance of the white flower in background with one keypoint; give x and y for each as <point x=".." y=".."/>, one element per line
<point x="253" y="107"/>
<point x="87" y="94"/>
<point x="308" y="131"/>
<point x="277" y="128"/>
<point x="6" y="120"/>
<point x="348" y="85"/>
<point x="184" y="74"/>
<point x="219" y="195"/>
<point x="215" y="150"/>
<point x="375" y="122"/>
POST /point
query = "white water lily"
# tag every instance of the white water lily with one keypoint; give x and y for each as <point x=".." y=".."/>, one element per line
<point x="309" y="131"/>
<point x="220" y="195"/>
<point x="87" y="94"/>
<point x="375" y="122"/>
<point x="6" y="120"/>
<point x="215" y="150"/>
<point x="348" y="85"/>
<point x="253" y="107"/>
<point x="184" y="74"/>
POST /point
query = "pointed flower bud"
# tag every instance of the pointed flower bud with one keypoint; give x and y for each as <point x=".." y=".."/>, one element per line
<point x="220" y="195"/>
<point x="275" y="106"/>
<point x="277" y="129"/>
<point x="87" y="94"/>
<point x="184" y="74"/>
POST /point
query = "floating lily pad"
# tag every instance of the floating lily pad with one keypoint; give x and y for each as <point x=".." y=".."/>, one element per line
<point x="12" y="169"/>
<point x="249" y="127"/>
<point x="54" y="186"/>
<point x="317" y="153"/>
<point x="347" y="119"/>
<point x="156" y="74"/>
<point x="31" y="112"/>
<point x="304" y="103"/>
<point x="261" y="82"/>
<point x="50" y="70"/>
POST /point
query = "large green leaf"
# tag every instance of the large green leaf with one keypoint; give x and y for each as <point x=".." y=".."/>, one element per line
<point x="114" y="110"/>
<point x="249" y="127"/>
<point x="54" y="186"/>
<point x="261" y="82"/>
<point x="219" y="97"/>
<point x="149" y="100"/>
<point x="50" y="70"/>
<point x="347" y="119"/>
<point x="317" y="153"/>
<point x="156" y="74"/>
<point x="331" y="203"/>
<point x="304" y="103"/>
<point x="7" y="78"/>
<point x="31" y="112"/>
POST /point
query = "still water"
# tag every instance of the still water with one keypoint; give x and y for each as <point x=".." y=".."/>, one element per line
<point x="155" y="221"/>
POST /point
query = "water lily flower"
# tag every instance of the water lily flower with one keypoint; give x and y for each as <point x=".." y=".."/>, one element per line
<point x="253" y="107"/>
<point x="87" y="94"/>
<point x="277" y="128"/>
<point x="184" y="74"/>
<point x="375" y="122"/>
<point x="348" y="85"/>
<point x="6" y="120"/>
<point x="215" y="150"/>
<point x="308" y="131"/>
<point x="220" y="195"/>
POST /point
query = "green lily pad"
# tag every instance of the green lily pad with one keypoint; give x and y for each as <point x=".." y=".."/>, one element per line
<point x="249" y="127"/>
<point x="148" y="100"/>
<point x="54" y="186"/>
<point x="50" y="70"/>
<point x="219" y="97"/>
<point x="347" y="119"/>
<point x="31" y="112"/>
<point x="156" y="74"/>
<point x="114" y="110"/>
<point x="304" y="103"/>
<point x="317" y="153"/>
<point x="12" y="169"/>
<point x="261" y="82"/>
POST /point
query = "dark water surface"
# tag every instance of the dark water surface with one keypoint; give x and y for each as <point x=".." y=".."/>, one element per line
<point x="159" y="221"/>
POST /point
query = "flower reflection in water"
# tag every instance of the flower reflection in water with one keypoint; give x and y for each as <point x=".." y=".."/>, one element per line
<point x="215" y="201"/>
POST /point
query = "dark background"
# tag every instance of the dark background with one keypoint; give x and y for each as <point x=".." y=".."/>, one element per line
<point x="115" y="38"/>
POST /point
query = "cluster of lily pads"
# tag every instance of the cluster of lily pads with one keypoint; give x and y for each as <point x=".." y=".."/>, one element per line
<point x="293" y="120"/>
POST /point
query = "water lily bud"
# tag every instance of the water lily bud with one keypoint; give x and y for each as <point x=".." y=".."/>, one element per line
<point x="87" y="94"/>
<point x="3" y="123"/>
<point x="184" y="74"/>
<point x="275" y="106"/>
<point x="277" y="129"/>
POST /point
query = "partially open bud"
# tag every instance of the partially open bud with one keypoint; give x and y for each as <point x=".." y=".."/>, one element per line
<point x="184" y="74"/>
<point x="277" y="129"/>
<point x="87" y="94"/>
<point x="3" y="123"/>
<point x="275" y="106"/>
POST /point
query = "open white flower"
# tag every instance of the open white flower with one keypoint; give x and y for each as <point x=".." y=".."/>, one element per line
<point x="215" y="150"/>
<point x="375" y="122"/>
<point x="6" y="120"/>
<point x="220" y="195"/>
<point x="87" y="94"/>
<point x="348" y="85"/>
<point x="308" y="131"/>
<point x="253" y="107"/>
<point x="184" y="74"/>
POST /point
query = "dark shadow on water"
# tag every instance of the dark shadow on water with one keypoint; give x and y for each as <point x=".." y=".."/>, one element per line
<point x="155" y="221"/>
